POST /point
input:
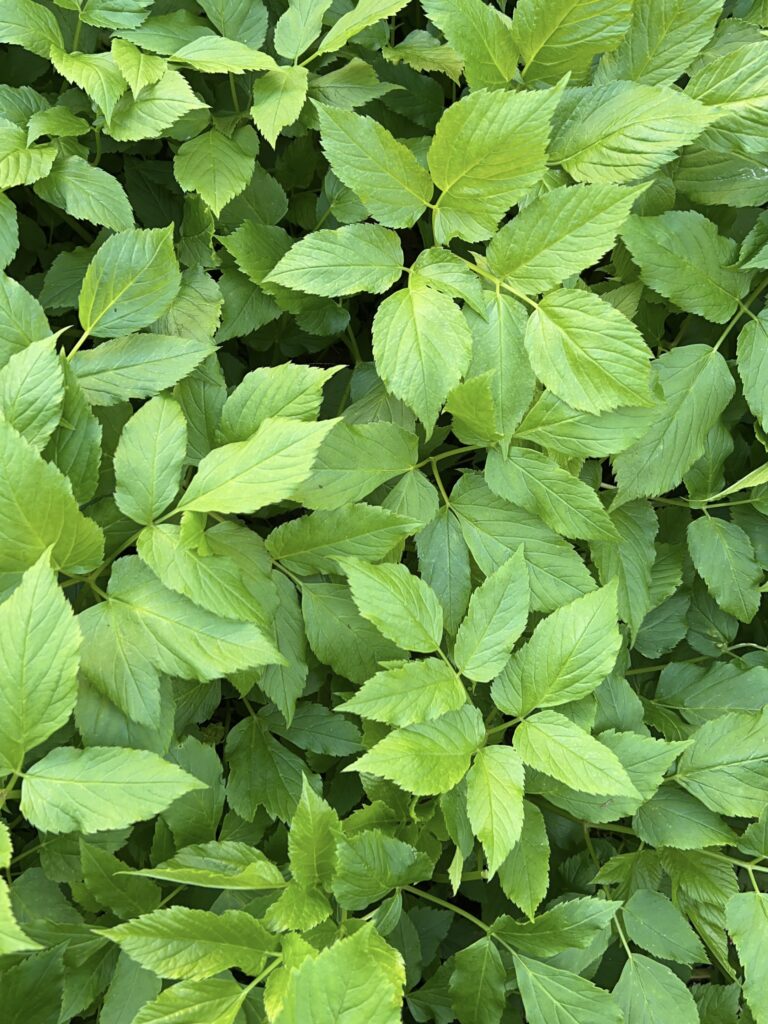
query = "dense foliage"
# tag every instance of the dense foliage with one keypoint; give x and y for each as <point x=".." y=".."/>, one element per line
<point x="383" y="511"/>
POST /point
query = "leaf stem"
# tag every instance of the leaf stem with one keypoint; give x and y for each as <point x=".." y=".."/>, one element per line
<point x="448" y="906"/>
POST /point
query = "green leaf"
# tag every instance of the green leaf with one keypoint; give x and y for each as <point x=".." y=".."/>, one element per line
<point x="572" y="924"/>
<point x="554" y="425"/>
<point x="87" y="193"/>
<point x="427" y="758"/>
<point x="268" y="467"/>
<point x="137" y="68"/>
<point x="9" y="231"/>
<point x="727" y="764"/>
<point x="216" y="167"/>
<point x="675" y="818"/>
<point x="136" y="366"/>
<point x="569" y="655"/>
<point x="663" y="39"/>
<point x="479" y="162"/>
<point x="477" y="983"/>
<point x="21" y="164"/>
<point x="559" y="234"/>
<point x="551" y="994"/>
<point x="32" y="392"/>
<point x="216" y="55"/>
<point x="498" y="610"/>
<point x="97" y="74"/>
<point x="624" y="131"/>
<point x="149" y="459"/>
<point x="411" y="692"/>
<point x="655" y="923"/>
<point x="369" y="865"/>
<point x="682" y="256"/>
<point x="357" y="977"/>
<point x="37" y="510"/>
<point x="217" y="999"/>
<point x="697" y="386"/>
<point x="76" y="790"/>
<point x="381" y="171"/>
<point x="278" y="98"/>
<point x="365" y="13"/>
<point x="178" y="942"/>
<point x="218" y="865"/>
<point x="483" y="37"/>
<point x="524" y="875"/>
<point x="747" y="921"/>
<point x="105" y="881"/>
<point x="402" y="606"/>
<point x="566" y="504"/>
<point x="155" y="109"/>
<point x="299" y="26"/>
<point x="630" y="560"/>
<point x="551" y="743"/>
<point x="495" y="802"/>
<point x="131" y="281"/>
<point x="37" y="693"/>
<point x="649" y="993"/>
<point x="752" y="353"/>
<point x="588" y="353"/>
<point x="734" y="85"/>
<point x="354" y="258"/>
<point x="28" y="24"/>
<point x="725" y="559"/>
<point x="315" y="831"/>
<point x="262" y="772"/>
<point x="421" y="346"/>
<point x="12" y="938"/>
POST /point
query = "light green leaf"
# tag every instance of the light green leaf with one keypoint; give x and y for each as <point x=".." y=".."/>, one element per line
<point x="136" y="366"/>
<point x="371" y="863"/>
<point x="216" y="55"/>
<point x="130" y="282"/>
<point x="155" y="109"/>
<point x="674" y="818"/>
<point x="727" y="765"/>
<point x="587" y="352"/>
<point x="569" y="655"/>
<point x="550" y="994"/>
<point x="354" y="258"/>
<point x="32" y="392"/>
<point x="268" y="467"/>
<point x="37" y="510"/>
<point x="566" y="504"/>
<point x="495" y="802"/>
<point x="314" y="833"/>
<point x="421" y="51"/>
<point x="383" y="173"/>
<point x="365" y="13"/>
<point x="28" y="24"/>
<point x="412" y="692"/>
<point x="421" y="346"/>
<point x="752" y="353"/>
<point x="655" y="923"/>
<point x="428" y="758"/>
<point x="218" y="865"/>
<point x="697" y="386"/>
<point x="278" y="98"/>
<point x="97" y="74"/>
<point x="100" y="788"/>
<point x="218" y="1000"/>
<point x="106" y="879"/>
<point x="12" y="938"/>
<point x="570" y="924"/>
<point x="299" y="26"/>
<point x="498" y="610"/>
<point x="87" y="193"/>
<point x="218" y="168"/>
<point x="559" y="234"/>
<point x="488" y="150"/>
<point x="149" y="459"/>
<point x="733" y="85"/>
<point x="9" y="231"/>
<point x="22" y="319"/>
<point x="624" y="131"/>
<point x="483" y="37"/>
<point x="663" y="39"/>
<point x="650" y="993"/>
<point x="312" y="543"/>
<point x="137" y="68"/>
<point x="551" y="743"/>
<point x="180" y="637"/>
<point x="682" y="256"/>
<point x="747" y="920"/>
<point x="357" y="977"/>
<point x="630" y="560"/>
<point x="725" y="559"/>
<point x="524" y="875"/>
<point x="37" y="692"/>
<point x="21" y="164"/>
<point x="401" y="606"/>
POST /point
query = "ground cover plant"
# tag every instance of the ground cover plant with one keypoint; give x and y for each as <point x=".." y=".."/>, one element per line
<point x="383" y="512"/>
